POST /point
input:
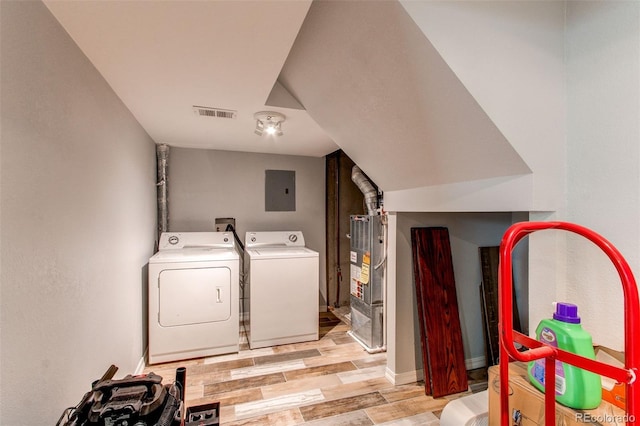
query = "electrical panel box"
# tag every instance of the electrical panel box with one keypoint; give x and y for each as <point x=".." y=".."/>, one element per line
<point x="280" y="191"/>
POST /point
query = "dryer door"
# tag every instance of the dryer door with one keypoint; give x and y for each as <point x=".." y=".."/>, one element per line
<point x="194" y="296"/>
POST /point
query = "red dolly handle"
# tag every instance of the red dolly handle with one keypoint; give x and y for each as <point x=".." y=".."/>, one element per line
<point x="539" y="350"/>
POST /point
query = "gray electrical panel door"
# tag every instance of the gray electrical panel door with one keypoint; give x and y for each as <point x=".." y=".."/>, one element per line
<point x="280" y="191"/>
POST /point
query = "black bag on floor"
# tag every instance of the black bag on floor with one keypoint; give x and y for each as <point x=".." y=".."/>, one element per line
<point x="134" y="400"/>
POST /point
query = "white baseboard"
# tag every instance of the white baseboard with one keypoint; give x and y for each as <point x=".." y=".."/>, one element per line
<point x="403" y="378"/>
<point x="141" y="364"/>
<point x="417" y="375"/>
<point x="477" y="362"/>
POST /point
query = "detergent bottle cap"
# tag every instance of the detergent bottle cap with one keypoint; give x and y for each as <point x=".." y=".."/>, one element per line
<point x="566" y="312"/>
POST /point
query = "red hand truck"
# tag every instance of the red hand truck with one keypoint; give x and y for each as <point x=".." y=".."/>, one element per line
<point x="538" y="350"/>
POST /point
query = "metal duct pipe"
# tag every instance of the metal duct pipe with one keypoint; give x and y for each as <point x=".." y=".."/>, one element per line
<point x="162" y="155"/>
<point x="370" y="193"/>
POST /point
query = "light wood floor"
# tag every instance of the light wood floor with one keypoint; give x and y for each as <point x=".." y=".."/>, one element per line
<point x="332" y="381"/>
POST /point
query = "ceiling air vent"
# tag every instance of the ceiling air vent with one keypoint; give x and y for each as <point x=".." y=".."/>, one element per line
<point x="214" y="112"/>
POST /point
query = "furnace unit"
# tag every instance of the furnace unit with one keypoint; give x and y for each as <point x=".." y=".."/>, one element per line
<point x="367" y="258"/>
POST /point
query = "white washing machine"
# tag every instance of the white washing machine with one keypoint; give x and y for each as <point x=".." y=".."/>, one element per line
<point x="281" y="303"/>
<point x="193" y="296"/>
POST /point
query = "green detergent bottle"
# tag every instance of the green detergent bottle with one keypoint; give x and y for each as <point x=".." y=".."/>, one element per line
<point x="575" y="387"/>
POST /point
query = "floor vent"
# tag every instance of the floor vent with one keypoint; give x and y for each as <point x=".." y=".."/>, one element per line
<point x="214" y="112"/>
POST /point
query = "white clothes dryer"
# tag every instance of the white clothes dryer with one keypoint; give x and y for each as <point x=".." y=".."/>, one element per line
<point x="281" y="304"/>
<point x="193" y="296"/>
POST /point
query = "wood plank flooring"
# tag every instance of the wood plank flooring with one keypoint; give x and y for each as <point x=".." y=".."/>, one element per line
<point x="332" y="381"/>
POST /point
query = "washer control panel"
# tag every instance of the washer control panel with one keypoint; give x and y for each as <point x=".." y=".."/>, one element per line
<point x="274" y="239"/>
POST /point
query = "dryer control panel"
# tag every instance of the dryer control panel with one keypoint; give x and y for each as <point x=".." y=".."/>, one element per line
<point x="181" y="240"/>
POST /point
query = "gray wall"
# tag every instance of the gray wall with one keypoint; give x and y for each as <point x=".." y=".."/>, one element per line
<point x="77" y="177"/>
<point x="207" y="184"/>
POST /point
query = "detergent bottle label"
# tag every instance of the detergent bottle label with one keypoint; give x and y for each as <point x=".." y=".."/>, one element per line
<point x="549" y="337"/>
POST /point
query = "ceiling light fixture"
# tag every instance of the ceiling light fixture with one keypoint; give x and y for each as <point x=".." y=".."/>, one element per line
<point x="269" y="122"/>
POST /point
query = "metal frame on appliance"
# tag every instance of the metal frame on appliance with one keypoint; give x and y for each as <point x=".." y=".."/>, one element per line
<point x="539" y="350"/>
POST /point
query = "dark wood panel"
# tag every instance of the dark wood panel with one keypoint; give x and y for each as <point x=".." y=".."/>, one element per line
<point x="420" y="299"/>
<point x="489" y="263"/>
<point x="489" y="257"/>
<point x="442" y="338"/>
<point x="343" y="199"/>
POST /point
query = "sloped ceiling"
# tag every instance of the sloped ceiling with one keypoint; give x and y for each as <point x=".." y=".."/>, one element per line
<point x="372" y="80"/>
<point x="356" y="75"/>
<point x="163" y="57"/>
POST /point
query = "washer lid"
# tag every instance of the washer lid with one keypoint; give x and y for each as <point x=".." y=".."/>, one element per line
<point x="193" y="255"/>
<point x="280" y="252"/>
